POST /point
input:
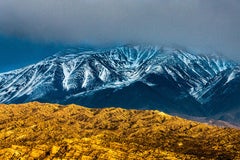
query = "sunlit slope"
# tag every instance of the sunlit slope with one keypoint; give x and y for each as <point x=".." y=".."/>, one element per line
<point x="49" y="131"/>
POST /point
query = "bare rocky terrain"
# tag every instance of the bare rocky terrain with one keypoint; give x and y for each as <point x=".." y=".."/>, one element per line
<point x="51" y="131"/>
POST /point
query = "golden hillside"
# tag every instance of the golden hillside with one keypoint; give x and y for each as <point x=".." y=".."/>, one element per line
<point x="51" y="131"/>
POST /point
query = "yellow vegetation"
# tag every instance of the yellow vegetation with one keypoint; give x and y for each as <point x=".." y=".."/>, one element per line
<point x="51" y="131"/>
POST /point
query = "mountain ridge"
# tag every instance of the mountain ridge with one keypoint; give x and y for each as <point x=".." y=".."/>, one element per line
<point x="196" y="85"/>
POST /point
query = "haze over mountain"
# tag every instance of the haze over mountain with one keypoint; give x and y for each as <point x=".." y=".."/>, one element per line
<point x="182" y="59"/>
<point x="18" y="52"/>
<point x="202" y="24"/>
<point x="173" y="80"/>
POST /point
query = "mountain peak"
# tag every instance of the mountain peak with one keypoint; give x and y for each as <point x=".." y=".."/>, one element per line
<point x="146" y="76"/>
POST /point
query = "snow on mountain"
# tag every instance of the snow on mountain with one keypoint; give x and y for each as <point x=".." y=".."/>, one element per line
<point x="95" y="70"/>
<point x="80" y="72"/>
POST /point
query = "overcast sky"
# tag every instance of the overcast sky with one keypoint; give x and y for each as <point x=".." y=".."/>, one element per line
<point x="201" y="24"/>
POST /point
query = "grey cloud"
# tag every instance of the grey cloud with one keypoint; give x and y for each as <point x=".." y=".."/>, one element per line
<point x="204" y="24"/>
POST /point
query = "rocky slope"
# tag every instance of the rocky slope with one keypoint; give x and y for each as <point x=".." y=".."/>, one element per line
<point x="52" y="131"/>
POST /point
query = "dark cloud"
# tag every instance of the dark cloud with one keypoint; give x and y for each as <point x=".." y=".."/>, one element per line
<point x="204" y="24"/>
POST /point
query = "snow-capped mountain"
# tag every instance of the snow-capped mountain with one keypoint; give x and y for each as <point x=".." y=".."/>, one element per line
<point x="168" y="79"/>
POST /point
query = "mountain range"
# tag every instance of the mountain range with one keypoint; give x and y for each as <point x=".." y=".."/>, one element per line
<point x="174" y="80"/>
